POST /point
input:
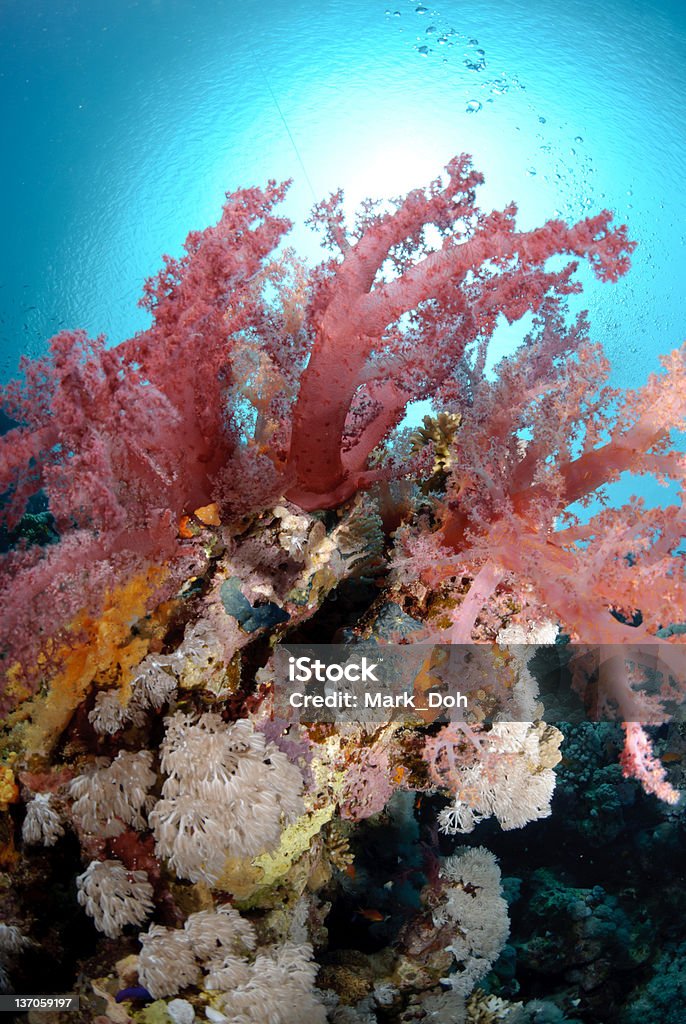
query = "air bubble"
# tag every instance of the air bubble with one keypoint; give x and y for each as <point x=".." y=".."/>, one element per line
<point x="531" y="171"/>
<point x="473" y="107"/>
<point x="421" y="10"/>
<point x="424" y="50"/>
<point x="541" y="120"/>
<point x="578" y="138"/>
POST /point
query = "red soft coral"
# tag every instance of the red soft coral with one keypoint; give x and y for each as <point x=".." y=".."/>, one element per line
<point x="365" y="366"/>
<point x="124" y="441"/>
<point x="506" y="513"/>
<point x="638" y="761"/>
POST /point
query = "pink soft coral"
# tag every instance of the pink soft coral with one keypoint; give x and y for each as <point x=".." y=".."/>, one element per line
<point x="639" y="762"/>
<point x="124" y="441"/>
<point x="545" y="433"/>
<point x="365" y="367"/>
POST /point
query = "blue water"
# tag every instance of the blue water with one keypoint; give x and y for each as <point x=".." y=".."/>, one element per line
<point x="125" y="122"/>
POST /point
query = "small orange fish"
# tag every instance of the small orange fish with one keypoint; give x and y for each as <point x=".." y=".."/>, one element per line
<point x="350" y="871"/>
<point x="672" y="756"/>
<point x="372" y="915"/>
<point x="184" y="529"/>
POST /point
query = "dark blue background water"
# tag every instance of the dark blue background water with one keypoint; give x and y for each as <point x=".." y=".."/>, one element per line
<point x="124" y="123"/>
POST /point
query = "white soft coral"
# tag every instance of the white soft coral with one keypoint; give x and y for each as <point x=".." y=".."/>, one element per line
<point x="109" y="798"/>
<point x="229" y="792"/>
<point x="274" y="985"/>
<point x="113" y="896"/>
<point x="473" y="903"/>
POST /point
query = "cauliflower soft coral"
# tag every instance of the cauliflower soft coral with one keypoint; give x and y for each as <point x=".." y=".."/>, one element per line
<point x="365" y="367"/>
<point x="545" y="433"/>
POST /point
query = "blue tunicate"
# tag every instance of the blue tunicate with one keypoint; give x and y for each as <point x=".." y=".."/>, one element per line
<point x="392" y="622"/>
<point x="250" y="618"/>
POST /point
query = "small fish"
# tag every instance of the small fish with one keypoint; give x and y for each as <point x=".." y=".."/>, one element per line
<point x="372" y="915"/>
<point x="185" y="530"/>
<point x="350" y="871"/>
<point x="134" y="992"/>
<point x="672" y="756"/>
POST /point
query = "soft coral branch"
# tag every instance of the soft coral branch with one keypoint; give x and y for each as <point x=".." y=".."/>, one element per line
<point x="546" y="431"/>
<point x="124" y="441"/>
<point x="639" y="762"/>
<point x="483" y="267"/>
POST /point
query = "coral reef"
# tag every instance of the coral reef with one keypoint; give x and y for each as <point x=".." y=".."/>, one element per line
<point x="234" y="482"/>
